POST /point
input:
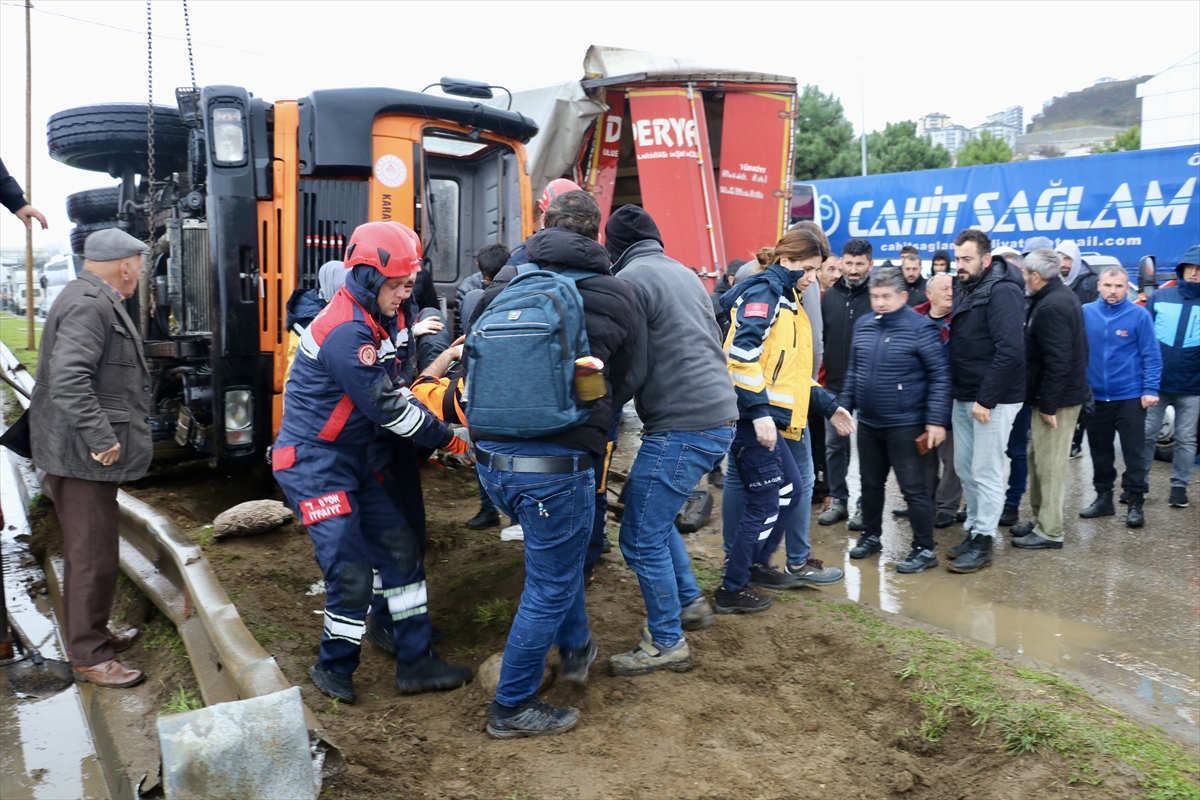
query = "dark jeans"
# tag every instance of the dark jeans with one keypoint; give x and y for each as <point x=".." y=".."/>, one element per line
<point x="814" y="435"/>
<point x="837" y="464"/>
<point x="770" y="483"/>
<point x="883" y="449"/>
<point x="1018" y="456"/>
<point x="1127" y="419"/>
<point x="555" y="511"/>
<point x="432" y="345"/>
<point x="600" y="515"/>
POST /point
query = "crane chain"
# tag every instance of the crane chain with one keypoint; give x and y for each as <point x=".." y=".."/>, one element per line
<point x="150" y="123"/>
<point x="187" y="29"/>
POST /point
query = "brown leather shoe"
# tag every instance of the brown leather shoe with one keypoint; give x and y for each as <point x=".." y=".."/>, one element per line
<point x="125" y="641"/>
<point x="111" y="673"/>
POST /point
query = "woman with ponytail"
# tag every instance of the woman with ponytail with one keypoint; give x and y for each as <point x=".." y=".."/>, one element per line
<point x="769" y="348"/>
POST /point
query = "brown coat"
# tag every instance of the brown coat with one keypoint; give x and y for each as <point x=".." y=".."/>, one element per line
<point x="93" y="387"/>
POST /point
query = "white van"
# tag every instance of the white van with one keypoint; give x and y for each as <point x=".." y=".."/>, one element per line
<point x="58" y="272"/>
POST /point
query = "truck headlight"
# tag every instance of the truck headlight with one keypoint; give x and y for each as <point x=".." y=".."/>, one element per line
<point x="239" y="416"/>
<point x="229" y="136"/>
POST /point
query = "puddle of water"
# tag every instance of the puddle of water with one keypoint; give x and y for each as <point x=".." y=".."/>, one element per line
<point x="1118" y="606"/>
<point x="46" y="750"/>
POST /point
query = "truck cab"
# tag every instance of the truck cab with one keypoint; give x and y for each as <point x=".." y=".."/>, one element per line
<point x="259" y="195"/>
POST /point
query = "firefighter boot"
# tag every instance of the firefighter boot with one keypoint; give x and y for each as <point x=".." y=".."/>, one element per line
<point x="430" y="674"/>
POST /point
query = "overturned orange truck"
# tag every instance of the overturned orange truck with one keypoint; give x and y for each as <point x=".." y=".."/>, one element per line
<point x="707" y="151"/>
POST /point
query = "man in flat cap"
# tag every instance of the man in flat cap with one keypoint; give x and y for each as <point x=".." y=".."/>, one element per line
<point x="89" y="430"/>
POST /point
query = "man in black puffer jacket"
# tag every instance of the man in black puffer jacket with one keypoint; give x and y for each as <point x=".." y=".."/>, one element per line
<point x="987" y="363"/>
<point x="548" y="484"/>
<point x="898" y="380"/>
<point x="1056" y="357"/>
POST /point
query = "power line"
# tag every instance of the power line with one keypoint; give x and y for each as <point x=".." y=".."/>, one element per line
<point x="197" y="44"/>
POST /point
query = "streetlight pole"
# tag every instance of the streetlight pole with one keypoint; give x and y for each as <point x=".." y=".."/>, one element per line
<point x="31" y="343"/>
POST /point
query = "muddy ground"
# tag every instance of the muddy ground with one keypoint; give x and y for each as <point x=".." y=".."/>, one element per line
<point x="801" y="701"/>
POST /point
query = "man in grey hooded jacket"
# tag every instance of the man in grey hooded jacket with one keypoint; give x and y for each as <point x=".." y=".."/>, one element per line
<point x="687" y="406"/>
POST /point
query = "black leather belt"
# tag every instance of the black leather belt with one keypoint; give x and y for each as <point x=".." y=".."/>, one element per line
<point x="544" y="465"/>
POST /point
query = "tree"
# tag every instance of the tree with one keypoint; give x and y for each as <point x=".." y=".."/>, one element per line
<point x="898" y="149"/>
<point x="1131" y="139"/>
<point x="986" y="149"/>
<point x="825" y="144"/>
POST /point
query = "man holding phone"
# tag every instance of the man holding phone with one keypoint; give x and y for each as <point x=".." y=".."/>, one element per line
<point x="898" y="380"/>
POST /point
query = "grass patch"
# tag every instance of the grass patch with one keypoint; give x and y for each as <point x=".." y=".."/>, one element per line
<point x="162" y="635"/>
<point x="493" y="612"/>
<point x="183" y="700"/>
<point x="203" y="536"/>
<point x="15" y="338"/>
<point x="1028" y="710"/>
<point x="269" y="633"/>
<point x="707" y="572"/>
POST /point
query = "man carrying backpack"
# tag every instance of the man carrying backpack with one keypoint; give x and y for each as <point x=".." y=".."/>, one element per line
<point x="536" y="439"/>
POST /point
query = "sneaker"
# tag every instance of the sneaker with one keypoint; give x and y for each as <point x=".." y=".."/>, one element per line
<point x="835" y="511"/>
<point x="430" y="674"/>
<point x="1024" y="529"/>
<point x="918" y="561"/>
<point x="575" y="663"/>
<point x="534" y="717"/>
<point x="605" y="546"/>
<point x="484" y="519"/>
<point x="960" y="548"/>
<point x="764" y="576"/>
<point x="1009" y="515"/>
<point x="814" y="572"/>
<point x="1076" y="450"/>
<point x="649" y="656"/>
<point x="944" y="519"/>
<point x="743" y="601"/>
<point x="856" y="523"/>
<point x="978" y="556"/>
<point x="337" y="685"/>
<point x="696" y="615"/>
<point x="866" y="546"/>
<point x="1179" y="498"/>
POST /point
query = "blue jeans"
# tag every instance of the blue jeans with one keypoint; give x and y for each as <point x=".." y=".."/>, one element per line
<point x="1018" y="456"/>
<point x="796" y="535"/>
<point x="667" y="468"/>
<point x="1187" y="411"/>
<point x="555" y="511"/>
<point x="769" y="481"/>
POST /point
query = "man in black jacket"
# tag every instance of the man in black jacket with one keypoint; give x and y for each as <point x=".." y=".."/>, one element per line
<point x="899" y="382"/>
<point x="547" y="483"/>
<point x="842" y="305"/>
<point x="1056" y="357"/>
<point x="914" y="281"/>
<point x="987" y="363"/>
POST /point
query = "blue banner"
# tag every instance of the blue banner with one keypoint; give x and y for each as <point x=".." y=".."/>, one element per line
<point x="1124" y="205"/>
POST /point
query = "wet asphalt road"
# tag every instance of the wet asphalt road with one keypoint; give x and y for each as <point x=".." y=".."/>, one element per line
<point x="1118" y="606"/>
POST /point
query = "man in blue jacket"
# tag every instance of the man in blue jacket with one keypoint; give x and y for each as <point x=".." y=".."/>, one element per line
<point x="1176" y="314"/>
<point x="898" y="380"/>
<point x="1124" y="371"/>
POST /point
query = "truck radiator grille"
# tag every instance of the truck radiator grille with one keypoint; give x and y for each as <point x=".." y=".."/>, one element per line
<point x="197" y="288"/>
<point x="330" y="210"/>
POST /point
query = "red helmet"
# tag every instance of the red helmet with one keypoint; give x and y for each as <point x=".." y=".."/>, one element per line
<point x="554" y="189"/>
<point x="390" y="247"/>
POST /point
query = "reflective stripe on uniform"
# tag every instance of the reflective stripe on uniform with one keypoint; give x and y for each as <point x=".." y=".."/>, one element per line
<point x="308" y="345"/>
<point x="407" y="423"/>
<point x="765" y="534"/>
<point x="745" y="355"/>
<point x="752" y="381"/>
<point x="407" y="601"/>
<point x="780" y="398"/>
<point x="337" y="627"/>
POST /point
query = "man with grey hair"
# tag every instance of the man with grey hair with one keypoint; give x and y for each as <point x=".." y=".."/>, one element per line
<point x="1124" y="371"/>
<point x="1056" y="356"/>
<point x="89" y="420"/>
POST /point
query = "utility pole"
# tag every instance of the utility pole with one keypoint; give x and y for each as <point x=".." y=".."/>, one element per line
<point x="30" y="344"/>
<point x="862" y="130"/>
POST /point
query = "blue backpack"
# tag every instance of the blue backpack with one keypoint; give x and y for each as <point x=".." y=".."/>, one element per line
<point x="521" y="356"/>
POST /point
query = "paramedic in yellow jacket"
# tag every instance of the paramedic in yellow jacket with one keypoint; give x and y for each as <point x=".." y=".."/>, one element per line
<point x="770" y="361"/>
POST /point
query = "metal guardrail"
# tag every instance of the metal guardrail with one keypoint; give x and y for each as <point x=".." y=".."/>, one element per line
<point x="172" y="571"/>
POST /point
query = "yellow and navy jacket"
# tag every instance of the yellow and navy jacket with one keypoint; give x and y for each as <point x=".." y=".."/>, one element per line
<point x="770" y="352"/>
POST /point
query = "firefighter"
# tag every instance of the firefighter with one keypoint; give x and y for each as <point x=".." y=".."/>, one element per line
<point x="346" y="388"/>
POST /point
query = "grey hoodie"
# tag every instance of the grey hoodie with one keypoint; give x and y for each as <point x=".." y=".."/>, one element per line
<point x="678" y="376"/>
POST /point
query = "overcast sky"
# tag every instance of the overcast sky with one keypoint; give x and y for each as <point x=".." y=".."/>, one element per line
<point x="963" y="59"/>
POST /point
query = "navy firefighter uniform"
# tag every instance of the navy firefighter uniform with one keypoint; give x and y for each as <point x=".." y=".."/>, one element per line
<point x="346" y="390"/>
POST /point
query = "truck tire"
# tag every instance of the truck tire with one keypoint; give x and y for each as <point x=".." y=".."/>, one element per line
<point x="80" y="233"/>
<point x="112" y="137"/>
<point x="94" y="205"/>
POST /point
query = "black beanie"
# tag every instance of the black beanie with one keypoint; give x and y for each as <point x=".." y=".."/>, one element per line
<point x="628" y="226"/>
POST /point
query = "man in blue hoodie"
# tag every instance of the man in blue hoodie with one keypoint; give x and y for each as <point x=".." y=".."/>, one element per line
<point x="1176" y="314"/>
<point x="1124" y="370"/>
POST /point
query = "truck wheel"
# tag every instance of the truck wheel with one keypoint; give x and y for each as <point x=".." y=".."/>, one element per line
<point x="94" y="205"/>
<point x="80" y="233"/>
<point x="112" y="137"/>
